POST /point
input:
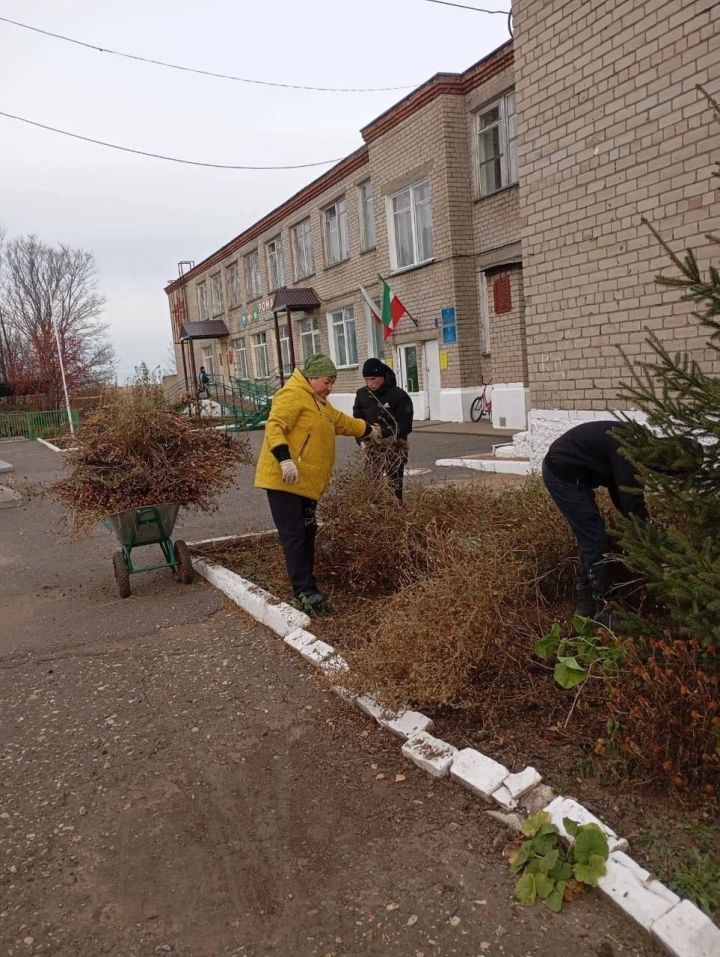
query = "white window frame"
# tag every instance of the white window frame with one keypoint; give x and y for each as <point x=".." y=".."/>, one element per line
<point x="341" y="318"/>
<point x="242" y="369"/>
<point x="208" y="359"/>
<point x="218" y="294"/>
<point x="342" y="230"/>
<point x="506" y="125"/>
<point x="253" y="285"/>
<point x="259" y="345"/>
<point x="232" y="280"/>
<point x="420" y="257"/>
<point x="276" y="268"/>
<point x="310" y="336"/>
<point x="366" y="212"/>
<point x="302" y="249"/>
<point x="285" y="351"/>
<point x="202" y="300"/>
<point x="375" y="334"/>
<point x="484" y="313"/>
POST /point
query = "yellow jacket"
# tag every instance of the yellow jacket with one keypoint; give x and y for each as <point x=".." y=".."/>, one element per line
<point x="308" y="424"/>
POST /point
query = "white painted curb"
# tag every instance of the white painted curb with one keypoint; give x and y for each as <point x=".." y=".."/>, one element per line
<point x="489" y="465"/>
<point x="56" y="448"/>
<point x="678" y="925"/>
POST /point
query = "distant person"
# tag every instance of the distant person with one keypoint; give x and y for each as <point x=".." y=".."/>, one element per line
<point x="204" y="382"/>
<point x="296" y="462"/>
<point x="382" y="402"/>
<point x="578" y="462"/>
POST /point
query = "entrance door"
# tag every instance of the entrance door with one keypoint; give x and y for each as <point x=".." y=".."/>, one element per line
<point x="408" y="376"/>
<point x="432" y="378"/>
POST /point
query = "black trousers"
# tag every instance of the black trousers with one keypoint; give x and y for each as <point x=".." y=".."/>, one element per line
<point x="578" y="505"/>
<point x="295" y="520"/>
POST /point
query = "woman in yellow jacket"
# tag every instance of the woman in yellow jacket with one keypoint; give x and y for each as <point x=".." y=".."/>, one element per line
<point x="296" y="462"/>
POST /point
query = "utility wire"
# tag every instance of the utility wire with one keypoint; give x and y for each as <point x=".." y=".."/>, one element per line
<point x="171" y="159"/>
<point x="463" y="6"/>
<point x="189" y="69"/>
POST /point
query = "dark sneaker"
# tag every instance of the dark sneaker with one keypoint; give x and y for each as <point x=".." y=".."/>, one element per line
<point x="585" y="606"/>
<point x="312" y="601"/>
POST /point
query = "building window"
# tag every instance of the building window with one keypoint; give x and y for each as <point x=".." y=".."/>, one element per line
<point x="497" y="145"/>
<point x="376" y="338"/>
<point x="302" y="249"/>
<point x="260" y="355"/>
<point x="337" y="236"/>
<point x="208" y="359"/>
<point x="252" y="275"/>
<point x="276" y="275"/>
<point x="367" y="215"/>
<point x="232" y="278"/>
<point x="412" y="225"/>
<point x="285" y="352"/>
<point x="241" y="358"/>
<point x="310" y="337"/>
<point x="218" y="299"/>
<point x="202" y="300"/>
<point x="343" y="340"/>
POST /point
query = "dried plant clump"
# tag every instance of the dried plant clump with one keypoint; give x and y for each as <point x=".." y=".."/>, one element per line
<point x="135" y="451"/>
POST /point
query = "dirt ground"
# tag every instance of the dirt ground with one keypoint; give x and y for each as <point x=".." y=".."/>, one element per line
<point x="174" y="780"/>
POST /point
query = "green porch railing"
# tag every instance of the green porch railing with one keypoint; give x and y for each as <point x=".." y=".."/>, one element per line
<point x="36" y="425"/>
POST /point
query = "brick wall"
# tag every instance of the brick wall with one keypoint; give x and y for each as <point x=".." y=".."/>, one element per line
<point x="611" y="128"/>
<point x="507" y="327"/>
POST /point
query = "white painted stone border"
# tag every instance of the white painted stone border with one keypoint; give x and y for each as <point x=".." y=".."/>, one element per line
<point x="505" y="467"/>
<point x="678" y="925"/>
<point x="56" y="448"/>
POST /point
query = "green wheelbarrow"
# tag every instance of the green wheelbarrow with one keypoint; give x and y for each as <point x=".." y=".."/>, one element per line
<point x="149" y="525"/>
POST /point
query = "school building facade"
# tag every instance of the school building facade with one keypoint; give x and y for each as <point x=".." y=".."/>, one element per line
<point x="430" y="204"/>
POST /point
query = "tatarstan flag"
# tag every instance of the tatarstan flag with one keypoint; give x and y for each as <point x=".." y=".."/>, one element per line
<point x="390" y="312"/>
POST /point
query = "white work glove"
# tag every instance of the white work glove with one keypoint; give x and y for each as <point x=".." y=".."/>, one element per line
<point x="375" y="433"/>
<point x="290" y="473"/>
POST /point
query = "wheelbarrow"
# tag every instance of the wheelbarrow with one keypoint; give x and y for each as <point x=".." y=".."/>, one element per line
<point x="148" y="525"/>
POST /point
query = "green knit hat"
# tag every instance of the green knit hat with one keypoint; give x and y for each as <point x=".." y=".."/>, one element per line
<point x="319" y="366"/>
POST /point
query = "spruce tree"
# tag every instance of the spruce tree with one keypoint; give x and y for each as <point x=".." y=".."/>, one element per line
<point x="678" y="460"/>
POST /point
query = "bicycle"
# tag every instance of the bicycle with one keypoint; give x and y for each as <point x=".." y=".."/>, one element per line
<point x="482" y="405"/>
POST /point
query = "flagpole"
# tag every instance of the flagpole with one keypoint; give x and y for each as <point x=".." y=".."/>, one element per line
<point x="407" y="312"/>
<point x="62" y="372"/>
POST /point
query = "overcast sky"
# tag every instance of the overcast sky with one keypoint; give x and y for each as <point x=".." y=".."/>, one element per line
<point x="139" y="216"/>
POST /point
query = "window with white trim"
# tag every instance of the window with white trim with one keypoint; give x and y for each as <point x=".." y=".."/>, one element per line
<point x="232" y="277"/>
<point x="202" y="300"/>
<point x="218" y="298"/>
<point x="241" y="358"/>
<point x="260" y="355"/>
<point x="343" y="338"/>
<point x="497" y="145"/>
<point x="302" y="249"/>
<point x="310" y="337"/>
<point x="285" y="353"/>
<point x="276" y="273"/>
<point x="252" y="275"/>
<point x="367" y="215"/>
<point x="337" y="234"/>
<point x="376" y="339"/>
<point x="411" y="212"/>
<point x="208" y="359"/>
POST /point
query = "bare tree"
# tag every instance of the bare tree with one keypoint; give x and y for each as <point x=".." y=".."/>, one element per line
<point x="41" y="285"/>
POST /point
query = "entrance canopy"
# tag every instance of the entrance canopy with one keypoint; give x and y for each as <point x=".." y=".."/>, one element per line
<point x="294" y="300"/>
<point x="208" y="329"/>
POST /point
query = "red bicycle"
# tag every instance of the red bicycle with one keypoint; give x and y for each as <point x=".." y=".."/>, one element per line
<point x="482" y="405"/>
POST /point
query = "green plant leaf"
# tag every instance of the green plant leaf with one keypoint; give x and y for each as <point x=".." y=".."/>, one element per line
<point x="546" y="863"/>
<point x="568" y="673"/>
<point x="563" y="871"/>
<point x="590" y="842"/>
<point x="582" y="626"/>
<point x="554" y="900"/>
<point x="543" y="885"/>
<point x="546" y="646"/>
<point x="526" y="891"/>
<point x="536" y="823"/>
<point x="591" y="872"/>
<point x="523" y="856"/>
<point x="572" y="827"/>
<point x="542" y="843"/>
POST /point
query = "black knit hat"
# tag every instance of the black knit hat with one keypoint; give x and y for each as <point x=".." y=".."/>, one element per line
<point x="374" y="367"/>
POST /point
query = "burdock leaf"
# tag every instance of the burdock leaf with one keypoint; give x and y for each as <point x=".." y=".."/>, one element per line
<point x="526" y="891"/>
<point x="590" y="841"/>
<point x="568" y="673"/>
<point x="591" y="872"/>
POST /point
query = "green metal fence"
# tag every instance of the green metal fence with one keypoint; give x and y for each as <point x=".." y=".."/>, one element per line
<point x="36" y="425"/>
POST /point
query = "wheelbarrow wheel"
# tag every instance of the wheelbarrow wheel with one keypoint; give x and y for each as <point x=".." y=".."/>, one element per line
<point x="122" y="575"/>
<point x="185" y="566"/>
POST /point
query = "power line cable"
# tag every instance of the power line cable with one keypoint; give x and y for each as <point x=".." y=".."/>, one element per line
<point x="463" y="6"/>
<point x="161" y="156"/>
<point x="189" y="69"/>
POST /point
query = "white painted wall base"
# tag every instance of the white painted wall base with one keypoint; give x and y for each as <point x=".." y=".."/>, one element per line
<point x="546" y="425"/>
<point x="455" y="403"/>
<point x="510" y="404"/>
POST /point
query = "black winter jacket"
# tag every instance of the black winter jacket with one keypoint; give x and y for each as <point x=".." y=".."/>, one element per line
<point x="391" y="407"/>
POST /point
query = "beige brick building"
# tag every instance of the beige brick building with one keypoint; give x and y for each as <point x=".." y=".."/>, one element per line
<point x="611" y="128"/>
<point x="430" y="202"/>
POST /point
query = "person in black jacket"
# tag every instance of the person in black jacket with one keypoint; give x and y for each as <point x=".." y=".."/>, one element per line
<point x="579" y="461"/>
<point x="381" y="401"/>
